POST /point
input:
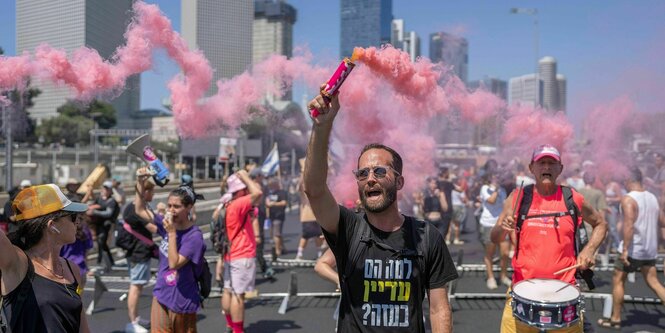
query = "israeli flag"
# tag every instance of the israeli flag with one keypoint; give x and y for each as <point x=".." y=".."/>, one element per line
<point x="271" y="164"/>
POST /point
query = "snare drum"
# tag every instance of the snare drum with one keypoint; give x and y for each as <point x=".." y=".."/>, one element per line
<point x="546" y="303"/>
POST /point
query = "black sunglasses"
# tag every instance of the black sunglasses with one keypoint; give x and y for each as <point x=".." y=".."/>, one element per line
<point x="379" y="172"/>
<point x="73" y="217"/>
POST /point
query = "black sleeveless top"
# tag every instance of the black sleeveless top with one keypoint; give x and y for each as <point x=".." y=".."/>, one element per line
<point x="56" y="310"/>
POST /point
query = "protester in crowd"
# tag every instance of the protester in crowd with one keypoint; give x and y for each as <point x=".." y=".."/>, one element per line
<point x="446" y="187"/>
<point x="77" y="252"/>
<point x="656" y="184"/>
<point x="139" y="218"/>
<point x="160" y="209"/>
<point x="188" y="181"/>
<point x="379" y="179"/>
<point x="642" y="216"/>
<point x="418" y="205"/>
<point x="103" y="213"/>
<point x="309" y="228"/>
<point x="276" y="208"/>
<point x="239" y="263"/>
<point x="72" y="187"/>
<point x="459" y="212"/>
<point x="326" y="267"/>
<point x="9" y="215"/>
<point x="594" y="196"/>
<point x="435" y="205"/>
<point x="575" y="179"/>
<point x="613" y="195"/>
<point x="118" y="191"/>
<point x="176" y="297"/>
<point x="268" y="272"/>
<point x="545" y="240"/>
<point x="493" y="197"/>
<point x="42" y="291"/>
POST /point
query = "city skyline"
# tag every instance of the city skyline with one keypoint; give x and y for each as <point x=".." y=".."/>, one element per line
<point x="619" y="40"/>
<point x="39" y="23"/>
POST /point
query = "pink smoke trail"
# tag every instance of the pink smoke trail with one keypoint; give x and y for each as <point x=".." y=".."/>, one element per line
<point x="527" y="128"/>
<point x="608" y="127"/>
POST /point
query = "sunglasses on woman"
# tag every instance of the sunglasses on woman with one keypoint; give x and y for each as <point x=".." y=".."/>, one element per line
<point x="379" y="171"/>
<point x="73" y="217"/>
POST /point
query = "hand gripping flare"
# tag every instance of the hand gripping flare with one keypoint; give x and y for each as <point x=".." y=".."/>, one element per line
<point x="336" y="80"/>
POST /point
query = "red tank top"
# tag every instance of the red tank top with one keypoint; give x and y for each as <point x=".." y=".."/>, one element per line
<point x="544" y="248"/>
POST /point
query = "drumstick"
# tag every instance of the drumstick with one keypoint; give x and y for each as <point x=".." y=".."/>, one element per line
<point x="517" y="200"/>
<point x="567" y="269"/>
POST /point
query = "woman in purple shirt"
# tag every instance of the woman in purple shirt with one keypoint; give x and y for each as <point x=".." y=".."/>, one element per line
<point x="176" y="295"/>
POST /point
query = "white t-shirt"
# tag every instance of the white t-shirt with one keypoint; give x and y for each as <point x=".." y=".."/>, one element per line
<point x="645" y="236"/>
<point x="457" y="198"/>
<point x="491" y="211"/>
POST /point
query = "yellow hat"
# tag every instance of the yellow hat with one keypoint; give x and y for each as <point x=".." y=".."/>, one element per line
<point x="40" y="200"/>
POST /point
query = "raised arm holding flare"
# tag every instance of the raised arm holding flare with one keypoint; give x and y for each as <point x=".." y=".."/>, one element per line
<point x="399" y="239"/>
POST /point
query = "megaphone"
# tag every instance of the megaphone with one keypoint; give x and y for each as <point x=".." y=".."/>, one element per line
<point x="141" y="148"/>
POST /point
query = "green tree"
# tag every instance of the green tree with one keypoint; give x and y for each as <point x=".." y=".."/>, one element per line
<point x="65" y="130"/>
<point x="103" y="113"/>
<point x="74" y="122"/>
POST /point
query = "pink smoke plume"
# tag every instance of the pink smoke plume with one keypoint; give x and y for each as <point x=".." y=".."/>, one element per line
<point x="390" y="100"/>
<point x="527" y="127"/>
<point x="608" y="127"/>
<point x="387" y="99"/>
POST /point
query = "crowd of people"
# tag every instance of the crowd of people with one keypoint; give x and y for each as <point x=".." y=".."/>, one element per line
<point x="402" y="244"/>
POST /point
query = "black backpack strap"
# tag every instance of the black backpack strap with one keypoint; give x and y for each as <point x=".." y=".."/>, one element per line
<point x="359" y="241"/>
<point x="523" y="212"/>
<point x="574" y="212"/>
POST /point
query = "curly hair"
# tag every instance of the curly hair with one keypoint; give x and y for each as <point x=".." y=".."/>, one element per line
<point x="31" y="231"/>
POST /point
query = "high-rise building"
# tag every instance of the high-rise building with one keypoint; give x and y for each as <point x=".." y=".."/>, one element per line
<point x="546" y="89"/>
<point x="222" y="30"/>
<point x="561" y="86"/>
<point x="496" y="86"/>
<point x="397" y="33"/>
<point x="69" y="25"/>
<point x="452" y="51"/>
<point x="526" y="89"/>
<point x="547" y="70"/>
<point x="364" y="23"/>
<point x="273" y="31"/>
<point x="408" y="42"/>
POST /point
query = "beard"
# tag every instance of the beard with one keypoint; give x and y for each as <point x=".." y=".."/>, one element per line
<point x="389" y="196"/>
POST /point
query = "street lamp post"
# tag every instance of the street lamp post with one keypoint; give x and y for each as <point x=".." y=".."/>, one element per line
<point x="6" y="121"/>
<point x="9" y="142"/>
<point x="532" y="12"/>
<point x="94" y="138"/>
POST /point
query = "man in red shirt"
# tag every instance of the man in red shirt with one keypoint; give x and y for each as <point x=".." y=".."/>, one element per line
<point x="544" y="236"/>
<point x="239" y="263"/>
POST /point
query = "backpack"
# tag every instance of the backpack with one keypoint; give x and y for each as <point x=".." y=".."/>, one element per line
<point x="221" y="242"/>
<point x="581" y="237"/>
<point x="123" y="239"/>
<point x="362" y="239"/>
<point x="204" y="280"/>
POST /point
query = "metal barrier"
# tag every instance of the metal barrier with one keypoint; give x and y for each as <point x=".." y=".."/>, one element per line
<point x="100" y="287"/>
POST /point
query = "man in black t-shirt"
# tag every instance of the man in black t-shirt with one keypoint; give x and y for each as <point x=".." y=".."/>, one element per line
<point x="104" y="212"/>
<point x="446" y="186"/>
<point x="383" y="281"/>
<point x="276" y="207"/>
<point x="138" y="215"/>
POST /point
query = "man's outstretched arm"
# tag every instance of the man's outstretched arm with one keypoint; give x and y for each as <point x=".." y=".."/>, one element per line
<point x="320" y="198"/>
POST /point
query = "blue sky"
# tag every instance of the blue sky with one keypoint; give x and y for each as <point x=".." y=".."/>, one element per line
<point x="605" y="48"/>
